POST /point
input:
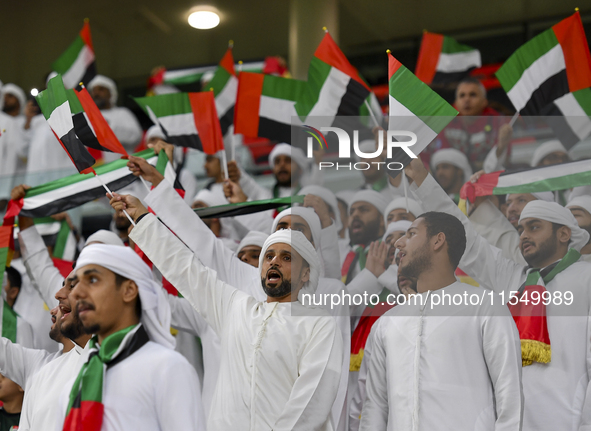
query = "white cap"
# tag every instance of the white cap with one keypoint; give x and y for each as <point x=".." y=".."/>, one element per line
<point x="17" y="92"/>
<point x="108" y="83"/>
<point x="453" y="157"/>
<point x="545" y="149"/>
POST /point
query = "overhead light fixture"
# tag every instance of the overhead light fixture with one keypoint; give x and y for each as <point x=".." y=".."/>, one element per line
<point x="203" y="17"/>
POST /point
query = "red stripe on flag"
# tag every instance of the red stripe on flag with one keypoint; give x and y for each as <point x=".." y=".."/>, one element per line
<point x="248" y="101"/>
<point x="85" y="35"/>
<point x="63" y="266"/>
<point x="572" y="39"/>
<point x="207" y="121"/>
<point x="104" y="133"/>
<point x="393" y="66"/>
<point x="429" y="53"/>
<point x="483" y="187"/>
<point x="329" y="52"/>
<point x="5" y="235"/>
<point x="227" y="62"/>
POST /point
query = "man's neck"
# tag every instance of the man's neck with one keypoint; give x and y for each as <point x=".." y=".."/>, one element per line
<point x="82" y="340"/>
<point x="435" y="279"/>
<point x="559" y="255"/>
<point x="13" y="406"/>
<point x="124" y="323"/>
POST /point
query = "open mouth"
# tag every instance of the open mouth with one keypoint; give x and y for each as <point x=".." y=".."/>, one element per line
<point x="65" y="311"/>
<point x="401" y="255"/>
<point x="526" y="246"/>
<point x="513" y="219"/>
<point x="273" y="276"/>
<point x="83" y="307"/>
<point x="356" y="226"/>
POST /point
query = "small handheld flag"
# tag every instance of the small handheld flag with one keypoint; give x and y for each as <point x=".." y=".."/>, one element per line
<point x="77" y="62"/>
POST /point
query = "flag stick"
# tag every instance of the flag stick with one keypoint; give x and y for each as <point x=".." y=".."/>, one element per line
<point x="405" y="190"/>
<point x="225" y="162"/>
<point x="111" y="193"/>
<point x="145" y="184"/>
<point x="514" y="119"/>
<point x="375" y="120"/>
<point x="233" y="147"/>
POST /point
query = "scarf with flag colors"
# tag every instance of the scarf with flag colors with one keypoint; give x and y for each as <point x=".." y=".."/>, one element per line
<point x="85" y="406"/>
<point x="56" y="110"/>
<point x="90" y="125"/>
<point x="570" y="117"/>
<point x="77" y="189"/>
<point x="225" y="86"/>
<point x="334" y="86"/>
<point x="9" y="322"/>
<point x="552" y="64"/>
<point x="265" y="106"/>
<point x="443" y="60"/>
<point x="77" y="64"/>
<point x="187" y="119"/>
<point x="416" y="108"/>
<point x="541" y="179"/>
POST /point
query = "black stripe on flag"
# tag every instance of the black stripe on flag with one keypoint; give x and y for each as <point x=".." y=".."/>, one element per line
<point x="274" y="130"/>
<point x="85" y="133"/>
<point x="227" y="120"/>
<point x="450" y="77"/>
<point x="78" y="153"/>
<point x="550" y="90"/>
<point x="560" y="126"/>
<point x="353" y="98"/>
<point x="89" y="74"/>
<point x="191" y="141"/>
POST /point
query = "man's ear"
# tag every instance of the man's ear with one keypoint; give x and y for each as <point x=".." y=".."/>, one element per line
<point x="439" y="241"/>
<point x="305" y="275"/>
<point x="129" y="291"/>
<point x="563" y="234"/>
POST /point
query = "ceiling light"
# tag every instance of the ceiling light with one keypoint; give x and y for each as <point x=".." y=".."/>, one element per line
<point x="34" y="92"/>
<point x="203" y="18"/>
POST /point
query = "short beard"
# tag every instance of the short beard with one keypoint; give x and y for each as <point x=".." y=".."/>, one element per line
<point x="286" y="183"/>
<point x="371" y="232"/>
<point x="101" y="103"/>
<point x="75" y="330"/>
<point x="545" y="250"/>
<point x="419" y="264"/>
<point x="280" y="291"/>
<point x="55" y="334"/>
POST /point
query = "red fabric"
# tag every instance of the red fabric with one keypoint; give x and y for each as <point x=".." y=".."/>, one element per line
<point x="85" y="35"/>
<point x="87" y="417"/>
<point x="330" y="53"/>
<point x="63" y="266"/>
<point x="347" y="263"/>
<point x="531" y="319"/>
<point x="483" y="187"/>
<point x="227" y="62"/>
<point x="429" y="53"/>
<point x="207" y="121"/>
<point x="248" y="101"/>
<point x="571" y="36"/>
<point x="369" y="317"/>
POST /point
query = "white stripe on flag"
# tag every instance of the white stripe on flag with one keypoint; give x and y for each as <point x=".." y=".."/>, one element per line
<point x="70" y="248"/>
<point x="401" y="118"/>
<point x="60" y="120"/>
<point x="45" y="229"/>
<point x="332" y="91"/>
<point x="543" y="68"/>
<point x="79" y="187"/>
<point x="180" y="124"/>
<point x="575" y="116"/>
<point x="227" y="97"/>
<point x="548" y="172"/>
<point x="280" y="110"/>
<point x="459" y="61"/>
<point x="76" y="72"/>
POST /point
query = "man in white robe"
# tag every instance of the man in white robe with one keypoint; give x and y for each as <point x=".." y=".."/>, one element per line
<point x="293" y="353"/>
<point x="580" y="206"/>
<point x="557" y="394"/>
<point x="436" y="365"/>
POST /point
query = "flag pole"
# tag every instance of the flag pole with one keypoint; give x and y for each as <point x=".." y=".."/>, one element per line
<point x="375" y="120"/>
<point x="225" y="162"/>
<point x="145" y="183"/>
<point x="405" y="190"/>
<point x="111" y="193"/>
<point x="514" y="119"/>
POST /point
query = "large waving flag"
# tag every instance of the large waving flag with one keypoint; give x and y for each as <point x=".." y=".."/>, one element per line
<point x="570" y="117"/>
<point x="225" y="86"/>
<point x="56" y="110"/>
<point x="442" y="59"/>
<point x="187" y="119"/>
<point x="265" y="106"/>
<point x="77" y="63"/>
<point x="334" y="85"/>
<point x="90" y="125"/>
<point x="416" y="108"/>
<point x="547" y="67"/>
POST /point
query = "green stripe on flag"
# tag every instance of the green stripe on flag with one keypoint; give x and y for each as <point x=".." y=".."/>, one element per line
<point x="61" y="240"/>
<point x="75" y="105"/>
<point x="451" y="46"/>
<point x="250" y="207"/>
<point x="76" y="178"/>
<point x="166" y="104"/>
<point x="524" y="57"/>
<point x="162" y="162"/>
<point x="54" y="96"/>
<point x="583" y="97"/>
<point x="9" y="317"/>
<point x="67" y="59"/>
<point x="317" y="75"/>
<point x="282" y="88"/>
<point x="418" y="98"/>
<point x="551" y="184"/>
<point x="184" y="79"/>
<point x="219" y="80"/>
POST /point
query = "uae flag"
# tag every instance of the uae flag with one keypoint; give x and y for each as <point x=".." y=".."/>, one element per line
<point x="5" y="249"/>
<point x="225" y="86"/>
<point x="570" y="117"/>
<point x="77" y="64"/>
<point x="547" y="67"/>
<point x="58" y="235"/>
<point x="265" y="106"/>
<point x="414" y="107"/>
<point x="72" y="191"/>
<point x="334" y="87"/>
<point x="541" y="179"/>
<point x="443" y="60"/>
<point x="56" y="110"/>
<point x="90" y="125"/>
<point x="242" y="208"/>
<point x="187" y="119"/>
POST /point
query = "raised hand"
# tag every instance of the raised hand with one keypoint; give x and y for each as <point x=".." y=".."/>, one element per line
<point x="130" y="203"/>
<point x="234" y="192"/>
<point x="416" y="171"/>
<point x="233" y="171"/>
<point x="139" y="167"/>
<point x="162" y="145"/>
<point x="19" y="192"/>
<point x="320" y="208"/>
<point x="376" y="258"/>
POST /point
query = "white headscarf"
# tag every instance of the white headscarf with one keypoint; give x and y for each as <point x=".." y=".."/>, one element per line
<point x="328" y="197"/>
<point x="252" y="238"/>
<point x="413" y="207"/>
<point x="105" y="237"/>
<point x="546" y="148"/>
<point x="17" y="92"/>
<point x="371" y="197"/>
<point x="125" y="262"/>
<point x="580" y="201"/>
<point x="108" y="83"/>
<point x="556" y="213"/>
<point x="453" y="157"/>
<point x="210" y="198"/>
<point x="154" y="132"/>
<point x="296" y="154"/>
<point x="299" y="243"/>
<point x="396" y="226"/>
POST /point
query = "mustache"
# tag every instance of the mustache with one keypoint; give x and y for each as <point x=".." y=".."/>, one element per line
<point x="81" y="304"/>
